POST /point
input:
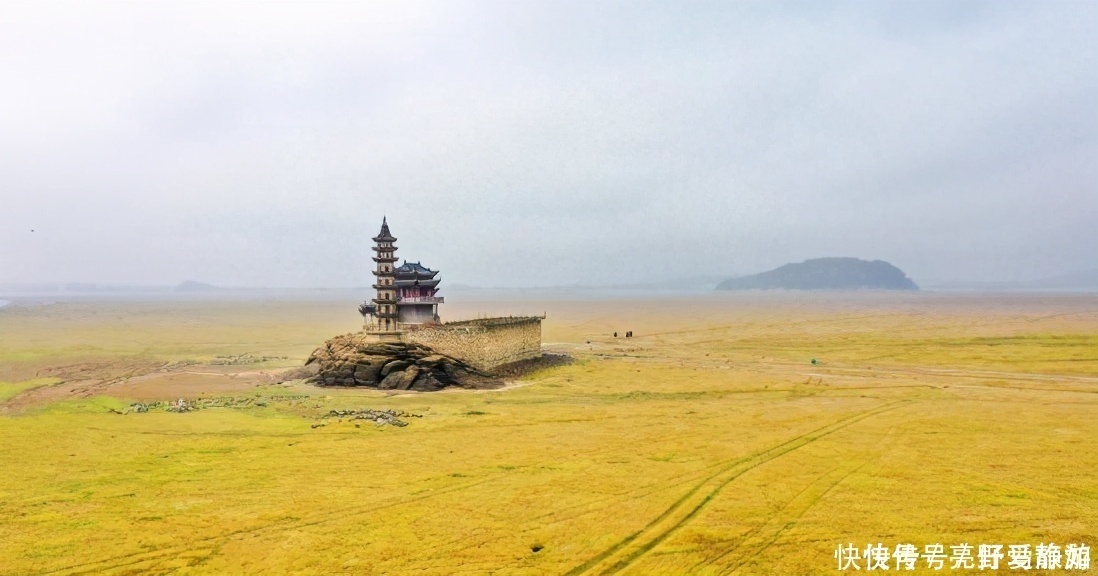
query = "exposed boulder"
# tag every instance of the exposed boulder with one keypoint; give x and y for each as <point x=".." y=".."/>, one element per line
<point x="426" y="382"/>
<point x="353" y="360"/>
<point x="367" y="373"/>
<point x="395" y="365"/>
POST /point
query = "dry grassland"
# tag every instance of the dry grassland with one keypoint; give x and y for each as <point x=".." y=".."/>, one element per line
<point x="707" y="444"/>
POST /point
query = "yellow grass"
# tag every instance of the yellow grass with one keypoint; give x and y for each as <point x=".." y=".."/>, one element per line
<point x="708" y="444"/>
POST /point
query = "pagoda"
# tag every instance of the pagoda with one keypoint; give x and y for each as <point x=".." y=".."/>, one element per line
<point x="405" y="294"/>
<point x="384" y="305"/>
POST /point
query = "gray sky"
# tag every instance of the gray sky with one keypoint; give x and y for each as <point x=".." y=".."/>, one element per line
<point x="551" y="143"/>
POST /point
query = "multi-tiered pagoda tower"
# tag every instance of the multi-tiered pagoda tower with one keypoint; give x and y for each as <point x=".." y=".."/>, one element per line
<point x="406" y="295"/>
<point x="385" y="310"/>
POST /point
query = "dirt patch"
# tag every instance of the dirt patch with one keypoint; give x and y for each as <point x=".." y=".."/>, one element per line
<point x="102" y="369"/>
<point x="189" y="383"/>
<point x="48" y="394"/>
<point x="82" y="380"/>
<point x="140" y="379"/>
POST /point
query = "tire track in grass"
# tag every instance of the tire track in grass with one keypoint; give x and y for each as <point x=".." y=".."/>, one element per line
<point x="624" y="563"/>
<point x="790" y="523"/>
<point x="629" y="549"/>
<point x="752" y="533"/>
<point x="763" y="536"/>
<point x="596" y="506"/>
<point x="801" y="511"/>
<point x="579" y="510"/>
<point x="599" y="505"/>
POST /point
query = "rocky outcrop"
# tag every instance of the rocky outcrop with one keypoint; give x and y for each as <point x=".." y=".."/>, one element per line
<point x="354" y="360"/>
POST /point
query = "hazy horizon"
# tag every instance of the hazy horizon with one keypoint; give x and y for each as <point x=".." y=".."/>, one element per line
<point x="1084" y="282"/>
<point x="545" y="144"/>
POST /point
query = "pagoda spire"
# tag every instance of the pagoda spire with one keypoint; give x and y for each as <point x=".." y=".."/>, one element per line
<point x="384" y="235"/>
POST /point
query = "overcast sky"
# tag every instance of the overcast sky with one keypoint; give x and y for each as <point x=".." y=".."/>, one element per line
<point x="550" y="143"/>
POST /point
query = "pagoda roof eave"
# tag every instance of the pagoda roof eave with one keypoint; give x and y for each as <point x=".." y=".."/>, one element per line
<point x="404" y="282"/>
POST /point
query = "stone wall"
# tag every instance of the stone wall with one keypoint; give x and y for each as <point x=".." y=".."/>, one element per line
<point x="485" y="343"/>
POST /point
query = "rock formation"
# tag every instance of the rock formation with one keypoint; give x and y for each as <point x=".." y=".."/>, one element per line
<point x="353" y="360"/>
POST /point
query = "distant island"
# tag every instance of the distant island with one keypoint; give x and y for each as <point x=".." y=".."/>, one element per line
<point x="826" y="274"/>
<point x="194" y="286"/>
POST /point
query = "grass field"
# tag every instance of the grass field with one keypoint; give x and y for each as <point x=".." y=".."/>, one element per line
<point x="708" y="444"/>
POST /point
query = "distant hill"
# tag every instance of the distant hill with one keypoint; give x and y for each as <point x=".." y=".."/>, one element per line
<point x="193" y="286"/>
<point x="825" y="274"/>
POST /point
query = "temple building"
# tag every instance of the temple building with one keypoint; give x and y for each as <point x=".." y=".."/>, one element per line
<point x="406" y="294"/>
<point x="416" y="289"/>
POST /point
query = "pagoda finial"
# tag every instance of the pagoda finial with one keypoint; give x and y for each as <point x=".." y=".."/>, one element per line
<point x="384" y="235"/>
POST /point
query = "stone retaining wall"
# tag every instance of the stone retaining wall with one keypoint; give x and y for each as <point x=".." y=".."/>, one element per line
<point x="484" y="343"/>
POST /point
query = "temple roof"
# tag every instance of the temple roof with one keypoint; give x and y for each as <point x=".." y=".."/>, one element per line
<point x="384" y="235"/>
<point x="413" y="270"/>
<point x="424" y="282"/>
